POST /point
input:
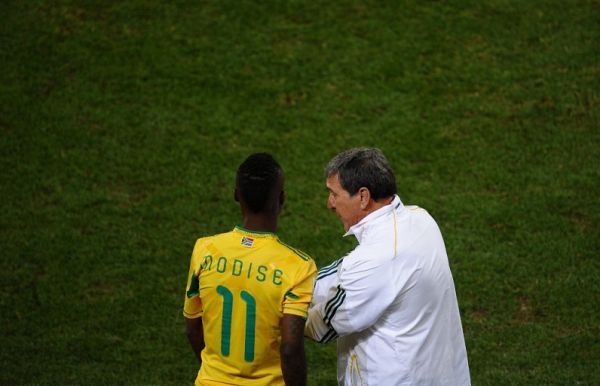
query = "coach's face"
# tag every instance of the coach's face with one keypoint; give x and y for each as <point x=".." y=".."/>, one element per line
<point x="345" y="206"/>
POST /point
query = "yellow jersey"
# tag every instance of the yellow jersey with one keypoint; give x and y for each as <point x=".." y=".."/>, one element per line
<point x="241" y="283"/>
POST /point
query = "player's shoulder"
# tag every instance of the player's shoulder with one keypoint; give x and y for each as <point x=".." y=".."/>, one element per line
<point x="294" y="252"/>
<point x="204" y="241"/>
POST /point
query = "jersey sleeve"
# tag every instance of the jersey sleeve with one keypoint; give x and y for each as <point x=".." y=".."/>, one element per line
<point x="192" y="305"/>
<point x="298" y="297"/>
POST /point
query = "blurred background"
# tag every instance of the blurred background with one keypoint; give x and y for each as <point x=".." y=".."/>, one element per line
<point x="122" y="124"/>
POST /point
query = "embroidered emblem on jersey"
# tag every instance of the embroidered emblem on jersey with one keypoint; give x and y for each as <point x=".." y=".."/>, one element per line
<point x="247" y="241"/>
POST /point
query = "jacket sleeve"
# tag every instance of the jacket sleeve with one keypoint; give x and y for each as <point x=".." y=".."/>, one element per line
<point x="361" y="293"/>
<point x="368" y="290"/>
<point x="324" y="290"/>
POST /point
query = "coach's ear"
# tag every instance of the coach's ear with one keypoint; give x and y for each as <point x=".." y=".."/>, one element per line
<point x="236" y="195"/>
<point x="365" y="197"/>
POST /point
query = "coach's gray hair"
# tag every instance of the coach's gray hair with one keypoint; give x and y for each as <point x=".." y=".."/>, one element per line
<point x="363" y="167"/>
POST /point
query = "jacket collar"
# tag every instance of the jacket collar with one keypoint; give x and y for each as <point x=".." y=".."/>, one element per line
<point x="359" y="229"/>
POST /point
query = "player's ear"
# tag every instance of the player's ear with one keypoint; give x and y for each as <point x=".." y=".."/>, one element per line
<point x="236" y="195"/>
<point x="281" y="198"/>
<point x="365" y="197"/>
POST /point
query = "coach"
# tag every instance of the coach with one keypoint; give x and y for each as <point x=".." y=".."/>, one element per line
<point x="391" y="302"/>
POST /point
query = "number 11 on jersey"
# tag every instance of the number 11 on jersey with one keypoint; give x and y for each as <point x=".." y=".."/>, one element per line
<point x="226" y="322"/>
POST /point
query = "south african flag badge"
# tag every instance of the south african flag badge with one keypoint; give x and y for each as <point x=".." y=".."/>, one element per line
<point x="247" y="241"/>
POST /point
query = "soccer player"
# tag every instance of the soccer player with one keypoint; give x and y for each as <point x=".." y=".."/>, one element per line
<point x="391" y="302"/>
<point x="248" y="293"/>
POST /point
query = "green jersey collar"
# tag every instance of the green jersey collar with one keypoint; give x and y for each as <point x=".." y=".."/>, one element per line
<point x="240" y="228"/>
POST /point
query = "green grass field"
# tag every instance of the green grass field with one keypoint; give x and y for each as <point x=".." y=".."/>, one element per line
<point x="122" y="124"/>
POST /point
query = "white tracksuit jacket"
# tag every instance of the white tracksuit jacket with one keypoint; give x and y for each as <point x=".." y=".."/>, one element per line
<point x="392" y="305"/>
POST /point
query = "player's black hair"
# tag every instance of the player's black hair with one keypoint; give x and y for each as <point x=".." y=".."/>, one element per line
<point x="363" y="167"/>
<point x="256" y="178"/>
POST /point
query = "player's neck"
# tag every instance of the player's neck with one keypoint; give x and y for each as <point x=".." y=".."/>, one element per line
<point x="260" y="223"/>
